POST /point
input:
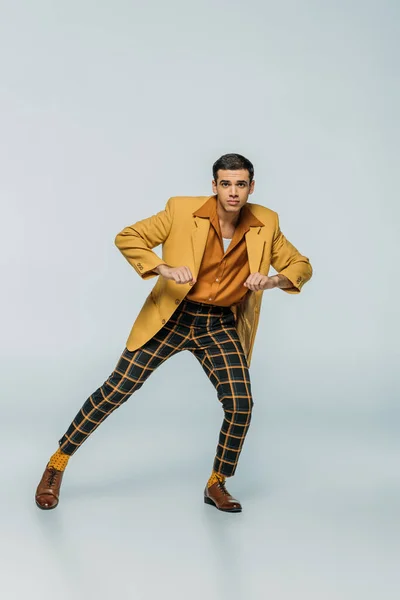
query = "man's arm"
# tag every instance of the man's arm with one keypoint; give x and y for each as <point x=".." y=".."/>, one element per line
<point x="294" y="269"/>
<point x="136" y="241"/>
<point x="282" y="282"/>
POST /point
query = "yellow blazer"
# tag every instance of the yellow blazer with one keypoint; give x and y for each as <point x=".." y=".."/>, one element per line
<point x="183" y="238"/>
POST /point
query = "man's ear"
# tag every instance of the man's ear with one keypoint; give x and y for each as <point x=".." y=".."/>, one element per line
<point x="251" y="189"/>
<point x="214" y="186"/>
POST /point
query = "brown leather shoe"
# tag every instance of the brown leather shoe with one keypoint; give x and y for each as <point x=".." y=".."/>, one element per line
<point x="48" y="490"/>
<point x="217" y="495"/>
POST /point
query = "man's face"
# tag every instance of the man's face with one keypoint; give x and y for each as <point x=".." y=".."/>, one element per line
<point x="232" y="189"/>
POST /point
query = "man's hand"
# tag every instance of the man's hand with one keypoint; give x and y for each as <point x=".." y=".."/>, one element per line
<point x="177" y="274"/>
<point x="256" y="282"/>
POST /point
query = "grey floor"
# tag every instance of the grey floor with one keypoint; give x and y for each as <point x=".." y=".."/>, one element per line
<point x="320" y="492"/>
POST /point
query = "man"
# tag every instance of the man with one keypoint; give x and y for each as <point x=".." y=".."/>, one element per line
<point x="216" y="255"/>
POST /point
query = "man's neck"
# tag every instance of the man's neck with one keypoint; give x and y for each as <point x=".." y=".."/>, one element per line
<point x="227" y="219"/>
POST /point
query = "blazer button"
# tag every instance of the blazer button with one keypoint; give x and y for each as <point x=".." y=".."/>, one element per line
<point x="163" y="321"/>
<point x="177" y="301"/>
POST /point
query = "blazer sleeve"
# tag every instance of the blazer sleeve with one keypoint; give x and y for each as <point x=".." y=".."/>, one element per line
<point x="136" y="241"/>
<point x="288" y="261"/>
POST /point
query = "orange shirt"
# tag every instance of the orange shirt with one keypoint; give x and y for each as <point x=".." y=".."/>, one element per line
<point x="222" y="275"/>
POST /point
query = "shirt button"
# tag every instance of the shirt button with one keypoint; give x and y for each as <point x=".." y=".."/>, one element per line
<point x="210" y="298"/>
<point x="217" y="279"/>
<point x="163" y="321"/>
<point x="177" y="301"/>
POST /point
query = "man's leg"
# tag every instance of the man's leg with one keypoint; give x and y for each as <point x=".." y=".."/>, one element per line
<point x="221" y="355"/>
<point x="131" y="371"/>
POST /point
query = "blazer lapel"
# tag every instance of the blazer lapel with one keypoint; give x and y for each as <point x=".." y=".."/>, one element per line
<point x="200" y="230"/>
<point x="255" y="247"/>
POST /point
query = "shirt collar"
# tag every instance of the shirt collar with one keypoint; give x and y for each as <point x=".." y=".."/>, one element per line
<point x="209" y="210"/>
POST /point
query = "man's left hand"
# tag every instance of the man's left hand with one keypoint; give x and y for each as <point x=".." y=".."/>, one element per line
<point x="256" y="282"/>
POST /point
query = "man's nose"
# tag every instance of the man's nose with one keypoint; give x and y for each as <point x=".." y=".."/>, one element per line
<point x="233" y="191"/>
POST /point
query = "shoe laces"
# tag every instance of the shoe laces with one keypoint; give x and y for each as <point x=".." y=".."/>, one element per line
<point x="221" y="485"/>
<point x="52" y="477"/>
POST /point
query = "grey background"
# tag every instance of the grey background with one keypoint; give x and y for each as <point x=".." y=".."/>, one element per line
<point x="106" y="110"/>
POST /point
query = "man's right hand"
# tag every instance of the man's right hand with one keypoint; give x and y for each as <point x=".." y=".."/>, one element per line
<point x="177" y="274"/>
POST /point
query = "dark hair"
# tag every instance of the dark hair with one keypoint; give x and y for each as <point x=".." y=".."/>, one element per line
<point x="233" y="162"/>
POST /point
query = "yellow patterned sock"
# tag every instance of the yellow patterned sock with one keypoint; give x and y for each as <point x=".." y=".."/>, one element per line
<point x="59" y="460"/>
<point x="214" y="478"/>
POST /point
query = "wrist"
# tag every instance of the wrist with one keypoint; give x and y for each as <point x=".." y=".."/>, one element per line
<point x="283" y="282"/>
<point x="277" y="280"/>
<point x="159" y="268"/>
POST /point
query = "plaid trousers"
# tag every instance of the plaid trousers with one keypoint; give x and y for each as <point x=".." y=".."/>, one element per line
<point x="208" y="332"/>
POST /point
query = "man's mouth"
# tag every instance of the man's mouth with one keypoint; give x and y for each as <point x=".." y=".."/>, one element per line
<point x="233" y="202"/>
